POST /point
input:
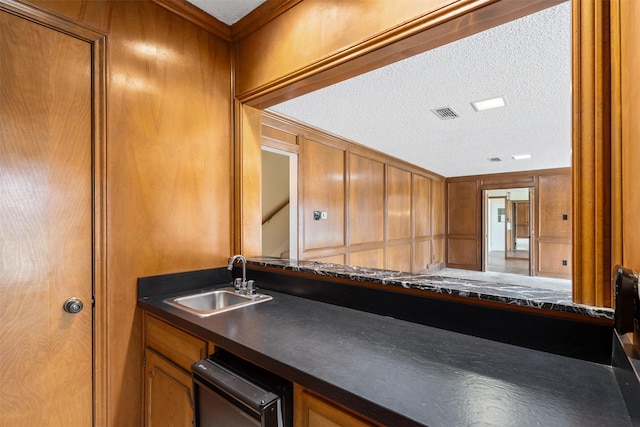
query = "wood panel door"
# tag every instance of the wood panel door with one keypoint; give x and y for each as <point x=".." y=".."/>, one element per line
<point x="522" y="220"/>
<point x="46" y="243"/>
<point x="463" y="220"/>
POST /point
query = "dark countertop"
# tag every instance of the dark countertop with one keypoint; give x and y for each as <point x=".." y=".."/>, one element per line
<point x="525" y="296"/>
<point x="402" y="373"/>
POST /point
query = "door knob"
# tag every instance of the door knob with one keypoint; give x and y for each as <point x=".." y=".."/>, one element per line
<point x="73" y="305"/>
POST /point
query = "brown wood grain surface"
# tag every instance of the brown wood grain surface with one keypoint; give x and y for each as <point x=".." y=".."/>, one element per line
<point x="45" y="225"/>
<point x="168" y="195"/>
<point x="630" y="127"/>
<point x="323" y="191"/>
<point x="398" y="203"/>
<point x="366" y="200"/>
<point x="422" y="206"/>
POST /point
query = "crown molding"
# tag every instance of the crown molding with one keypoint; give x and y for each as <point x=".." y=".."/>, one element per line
<point x="197" y="16"/>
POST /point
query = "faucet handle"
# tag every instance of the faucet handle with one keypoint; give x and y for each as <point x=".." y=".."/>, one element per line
<point x="251" y="287"/>
<point x="237" y="284"/>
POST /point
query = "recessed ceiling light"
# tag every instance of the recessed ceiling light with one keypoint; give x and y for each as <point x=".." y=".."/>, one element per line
<point x="521" y="156"/>
<point x="487" y="104"/>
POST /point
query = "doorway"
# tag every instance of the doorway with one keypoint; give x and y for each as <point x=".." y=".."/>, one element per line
<point x="507" y="247"/>
<point x="279" y="203"/>
<point x="51" y="220"/>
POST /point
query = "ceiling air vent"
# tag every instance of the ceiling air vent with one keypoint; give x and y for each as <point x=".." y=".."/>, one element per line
<point x="446" y="113"/>
<point x="495" y="159"/>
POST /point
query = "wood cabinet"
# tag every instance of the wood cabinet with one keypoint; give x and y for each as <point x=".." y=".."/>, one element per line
<point x="168" y="391"/>
<point x="311" y="410"/>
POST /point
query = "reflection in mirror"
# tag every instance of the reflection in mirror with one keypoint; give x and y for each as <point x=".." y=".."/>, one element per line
<point x="279" y="204"/>
<point x="421" y="111"/>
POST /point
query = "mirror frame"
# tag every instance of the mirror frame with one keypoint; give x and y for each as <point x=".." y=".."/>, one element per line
<point x="596" y="160"/>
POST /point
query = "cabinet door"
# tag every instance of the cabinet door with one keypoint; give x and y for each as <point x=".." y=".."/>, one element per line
<point x="313" y="411"/>
<point x="168" y="397"/>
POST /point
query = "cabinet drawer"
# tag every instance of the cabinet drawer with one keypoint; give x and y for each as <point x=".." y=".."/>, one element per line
<point x="180" y="347"/>
<point x="311" y="410"/>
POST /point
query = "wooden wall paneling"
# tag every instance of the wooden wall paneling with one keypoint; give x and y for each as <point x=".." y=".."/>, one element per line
<point x="554" y="260"/>
<point x="399" y="258"/>
<point x="422" y="211"/>
<point x="366" y="200"/>
<point x="591" y="27"/>
<point x="439" y="251"/>
<point x="554" y="197"/>
<point x="302" y="47"/>
<point x="398" y="192"/>
<point x="197" y="16"/>
<point x="322" y="179"/>
<point x="246" y="216"/>
<point x="534" y="215"/>
<point x="438" y="215"/>
<point x="462" y="208"/>
<point x="628" y="31"/>
<point x="507" y="179"/>
<point x="333" y="259"/>
<point x="342" y="39"/>
<point x="462" y="253"/>
<point x="169" y="167"/>
<point x="280" y="134"/>
<point x="372" y="258"/>
<point x="422" y="256"/>
<point x="592" y="200"/>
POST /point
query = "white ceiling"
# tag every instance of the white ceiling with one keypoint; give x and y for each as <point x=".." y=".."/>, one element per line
<point x="527" y="61"/>
<point x="227" y="11"/>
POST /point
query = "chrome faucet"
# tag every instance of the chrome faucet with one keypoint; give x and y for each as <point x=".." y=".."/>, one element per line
<point x="242" y="286"/>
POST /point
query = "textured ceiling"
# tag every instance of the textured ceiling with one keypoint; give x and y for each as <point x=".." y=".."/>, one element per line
<point x="227" y="11"/>
<point x="527" y="61"/>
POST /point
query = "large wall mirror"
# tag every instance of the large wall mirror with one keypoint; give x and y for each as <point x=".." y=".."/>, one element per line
<point x="397" y="108"/>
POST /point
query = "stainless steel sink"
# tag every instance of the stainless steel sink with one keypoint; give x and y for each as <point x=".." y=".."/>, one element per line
<point x="217" y="301"/>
